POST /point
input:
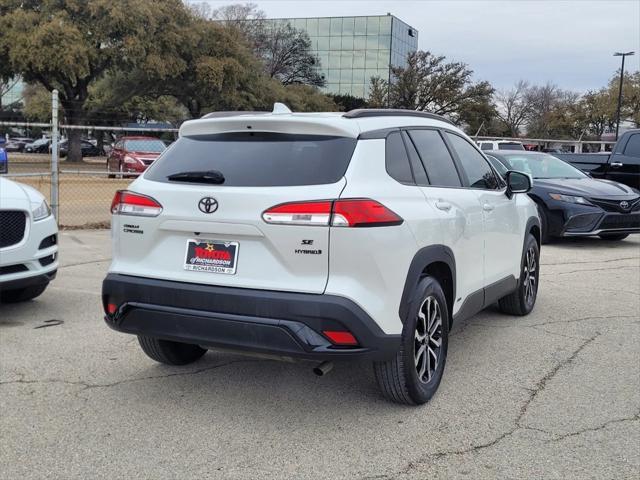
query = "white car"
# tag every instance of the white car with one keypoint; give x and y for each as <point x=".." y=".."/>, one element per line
<point x="320" y="236"/>
<point x="500" y="145"/>
<point x="28" y="242"/>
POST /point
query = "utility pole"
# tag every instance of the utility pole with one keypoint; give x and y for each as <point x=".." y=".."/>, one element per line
<point x="54" y="155"/>
<point x="623" y="55"/>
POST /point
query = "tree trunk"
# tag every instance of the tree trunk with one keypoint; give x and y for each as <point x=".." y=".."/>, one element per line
<point x="100" y="140"/>
<point x="74" y="116"/>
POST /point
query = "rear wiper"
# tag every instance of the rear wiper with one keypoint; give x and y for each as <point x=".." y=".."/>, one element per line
<point x="209" y="176"/>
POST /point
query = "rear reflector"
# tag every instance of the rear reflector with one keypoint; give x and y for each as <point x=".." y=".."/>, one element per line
<point x="130" y="203"/>
<point x="355" y="212"/>
<point x="111" y="308"/>
<point x="340" y="337"/>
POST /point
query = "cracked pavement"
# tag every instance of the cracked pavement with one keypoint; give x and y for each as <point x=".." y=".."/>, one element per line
<point x="552" y="395"/>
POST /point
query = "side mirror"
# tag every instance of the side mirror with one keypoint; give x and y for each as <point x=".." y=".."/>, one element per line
<point x="517" y="182"/>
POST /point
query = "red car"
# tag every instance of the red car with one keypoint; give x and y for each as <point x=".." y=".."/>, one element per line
<point x="133" y="155"/>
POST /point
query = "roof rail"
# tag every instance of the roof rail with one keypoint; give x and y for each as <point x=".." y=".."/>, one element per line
<point x="393" y="112"/>
<point x="231" y="114"/>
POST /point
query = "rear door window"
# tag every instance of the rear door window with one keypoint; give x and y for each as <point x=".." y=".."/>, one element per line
<point x="258" y="159"/>
<point x="436" y="158"/>
<point x="397" y="161"/>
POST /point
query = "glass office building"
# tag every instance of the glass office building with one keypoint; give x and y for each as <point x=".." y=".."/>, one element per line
<point x="354" y="49"/>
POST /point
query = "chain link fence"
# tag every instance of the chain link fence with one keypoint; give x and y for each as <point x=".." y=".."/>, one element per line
<point x="110" y="158"/>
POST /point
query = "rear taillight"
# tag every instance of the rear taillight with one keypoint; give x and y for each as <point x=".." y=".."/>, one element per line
<point x="129" y="203"/>
<point x="362" y="212"/>
<point x="300" y="213"/>
<point x="353" y="212"/>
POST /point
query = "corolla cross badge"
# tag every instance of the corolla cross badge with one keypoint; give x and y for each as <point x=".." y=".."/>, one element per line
<point x="624" y="204"/>
<point x="208" y="205"/>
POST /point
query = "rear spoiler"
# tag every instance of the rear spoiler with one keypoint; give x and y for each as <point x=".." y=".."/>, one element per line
<point x="304" y="124"/>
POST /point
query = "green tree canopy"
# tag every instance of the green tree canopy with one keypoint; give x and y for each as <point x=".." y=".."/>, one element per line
<point x="67" y="44"/>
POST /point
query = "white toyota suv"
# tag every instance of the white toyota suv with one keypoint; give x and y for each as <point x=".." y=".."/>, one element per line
<point x="320" y="236"/>
<point x="28" y="242"/>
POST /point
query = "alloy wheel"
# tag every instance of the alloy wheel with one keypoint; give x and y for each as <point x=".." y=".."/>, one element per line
<point x="530" y="275"/>
<point x="428" y="339"/>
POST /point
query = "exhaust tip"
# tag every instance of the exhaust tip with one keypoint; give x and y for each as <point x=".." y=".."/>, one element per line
<point x="323" y="368"/>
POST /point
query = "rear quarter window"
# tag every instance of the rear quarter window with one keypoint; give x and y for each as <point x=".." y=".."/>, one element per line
<point x="258" y="159"/>
<point x="397" y="160"/>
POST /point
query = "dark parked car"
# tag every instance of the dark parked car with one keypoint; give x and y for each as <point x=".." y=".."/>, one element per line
<point x="38" y="146"/>
<point x="88" y="149"/>
<point x="622" y="165"/>
<point x="570" y="202"/>
<point x="133" y="155"/>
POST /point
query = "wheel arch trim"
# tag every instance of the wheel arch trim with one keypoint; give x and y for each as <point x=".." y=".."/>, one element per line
<point x="422" y="260"/>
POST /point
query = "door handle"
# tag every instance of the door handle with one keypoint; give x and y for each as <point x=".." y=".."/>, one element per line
<point x="616" y="164"/>
<point x="440" y="205"/>
<point x="487" y="207"/>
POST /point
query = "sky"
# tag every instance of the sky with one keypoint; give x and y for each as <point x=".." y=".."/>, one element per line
<point x="568" y="43"/>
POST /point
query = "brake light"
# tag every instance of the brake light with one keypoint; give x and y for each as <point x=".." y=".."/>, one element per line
<point x="130" y="203"/>
<point x="340" y="337"/>
<point x="363" y="212"/>
<point x="354" y="212"/>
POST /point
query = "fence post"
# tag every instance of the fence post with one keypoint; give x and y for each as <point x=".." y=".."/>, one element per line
<point x="55" y="203"/>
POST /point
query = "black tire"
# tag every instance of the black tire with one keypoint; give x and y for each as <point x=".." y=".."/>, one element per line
<point x="544" y="225"/>
<point x="109" y="174"/>
<point x="22" y="294"/>
<point x="613" y="236"/>
<point x="399" y="378"/>
<point x="523" y="299"/>
<point x="170" y="353"/>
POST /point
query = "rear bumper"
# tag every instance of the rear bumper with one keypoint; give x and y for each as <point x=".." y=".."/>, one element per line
<point x="276" y="323"/>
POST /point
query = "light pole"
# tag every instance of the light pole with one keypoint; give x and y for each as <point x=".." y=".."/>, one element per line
<point x="623" y="55"/>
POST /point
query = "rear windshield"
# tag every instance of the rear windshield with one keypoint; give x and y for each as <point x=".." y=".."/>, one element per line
<point x="258" y="159"/>
<point x="510" y="146"/>
<point x="144" y="145"/>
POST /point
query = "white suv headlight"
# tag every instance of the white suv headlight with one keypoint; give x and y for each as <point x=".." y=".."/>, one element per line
<point x="41" y="212"/>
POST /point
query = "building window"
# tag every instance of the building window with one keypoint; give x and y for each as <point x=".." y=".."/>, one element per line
<point x="336" y="26"/>
<point x="323" y="27"/>
<point x="373" y="25"/>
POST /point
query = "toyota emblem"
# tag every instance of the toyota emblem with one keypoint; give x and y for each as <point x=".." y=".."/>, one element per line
<point x="208" y="205"/>
<point x="624" y="204"/>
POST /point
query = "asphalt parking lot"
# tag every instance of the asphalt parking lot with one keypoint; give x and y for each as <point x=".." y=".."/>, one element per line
<point x="552" y="395"/>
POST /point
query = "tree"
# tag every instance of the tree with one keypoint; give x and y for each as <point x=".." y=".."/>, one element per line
<point x="285" y="51"/>
<point x="430" y="83"/>
<point x="378" y="93"/>
<point x="513" y="107"/>
<point x="348" y="102"/>
<point x="286" y="54"/>
<point x="219" y="72"/>
<point x="67" y="45"/>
